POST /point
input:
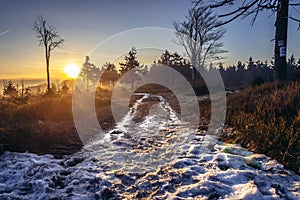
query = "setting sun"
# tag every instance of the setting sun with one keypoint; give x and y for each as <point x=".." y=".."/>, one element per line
<point x="72" y="70"/>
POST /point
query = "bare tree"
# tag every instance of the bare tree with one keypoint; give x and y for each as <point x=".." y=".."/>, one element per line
<point x="200" y="35"/>
<point x="47" y="37"/>
<point x="252" y="8"/>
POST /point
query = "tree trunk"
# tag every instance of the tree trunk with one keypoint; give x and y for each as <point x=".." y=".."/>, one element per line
<point x="48" y="75"/>
<point x="281" y="40"/>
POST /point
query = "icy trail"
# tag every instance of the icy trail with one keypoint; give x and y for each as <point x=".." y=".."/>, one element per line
<point x="156" y="158"/>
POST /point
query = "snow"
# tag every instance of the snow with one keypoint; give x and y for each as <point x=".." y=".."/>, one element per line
<point x="173" y="164"/>
<point x="212" y="174"/>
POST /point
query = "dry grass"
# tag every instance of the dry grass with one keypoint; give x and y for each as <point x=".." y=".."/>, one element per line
<point x="267" y="118"/>
<point x="45" y="124"/>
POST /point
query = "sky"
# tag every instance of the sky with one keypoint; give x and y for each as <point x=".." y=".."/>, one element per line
<point x="85" y="24"/>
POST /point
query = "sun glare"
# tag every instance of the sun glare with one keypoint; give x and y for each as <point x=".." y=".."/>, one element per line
<point x="72" y="70"/>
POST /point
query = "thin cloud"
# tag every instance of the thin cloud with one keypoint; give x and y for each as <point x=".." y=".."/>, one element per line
<point x="69" y="52"/>
<point x="4" y="32"/>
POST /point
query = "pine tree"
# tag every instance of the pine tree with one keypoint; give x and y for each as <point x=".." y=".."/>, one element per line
<point x="131" y="62"/>
<point x="89" y="72"/>
<point x="165" y="58"/>
<point x="9" y="89"/>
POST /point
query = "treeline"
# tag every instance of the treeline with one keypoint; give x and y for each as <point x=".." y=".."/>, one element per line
<point x="238" y="76"/>
<point x="253" y="72"/>
<point x="256" y="72"/>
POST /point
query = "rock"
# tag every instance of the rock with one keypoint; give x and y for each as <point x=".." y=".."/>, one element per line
<point x="73" y="161"/>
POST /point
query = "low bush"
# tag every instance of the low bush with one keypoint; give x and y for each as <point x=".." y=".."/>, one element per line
<point x="267" y="118"/>
<point x="44" y="124"/>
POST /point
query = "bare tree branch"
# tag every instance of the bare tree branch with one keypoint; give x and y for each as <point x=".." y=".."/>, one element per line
<point x="292" y="18"/>
<point x="297" y="20"/>
<point x="242" y="9"/>
<point x="48" y="37"/>
<point x="200" y="34"/>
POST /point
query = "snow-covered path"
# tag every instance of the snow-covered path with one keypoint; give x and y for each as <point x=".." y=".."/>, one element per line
<point x="230" y="175"/>
<point x="197" y="167"/>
